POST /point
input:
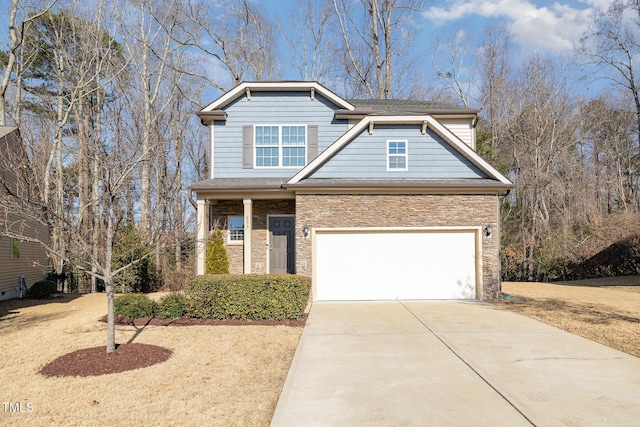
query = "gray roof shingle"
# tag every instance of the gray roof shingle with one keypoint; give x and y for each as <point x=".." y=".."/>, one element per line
<point x="408" y="106"/>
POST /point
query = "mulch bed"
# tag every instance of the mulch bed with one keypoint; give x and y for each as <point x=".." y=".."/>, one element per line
<point x="193" y="321"/>
<point x="95" y="361"/>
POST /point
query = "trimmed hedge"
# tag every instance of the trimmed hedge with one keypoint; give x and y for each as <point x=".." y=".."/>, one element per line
<point x="171" y="306"/>
<point x="42" y="289"/>
<point x="252" y="296"/>
<point x="134" y="305"/>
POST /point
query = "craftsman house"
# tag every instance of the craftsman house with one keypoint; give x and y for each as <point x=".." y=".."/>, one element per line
<point x="374" y="199"/>
<point x="22" y="262"/>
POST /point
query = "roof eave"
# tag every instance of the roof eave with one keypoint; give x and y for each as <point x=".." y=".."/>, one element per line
<point x="208" y="117"/>
<point x="262" y="86"/>
<point x="493" y="187"/>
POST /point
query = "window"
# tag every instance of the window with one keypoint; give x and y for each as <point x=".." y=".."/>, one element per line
<point x="397" y="155"/>
<point x="15" y="249"/>
<point x="281" y="146"/>
<point x="236" y="229"/>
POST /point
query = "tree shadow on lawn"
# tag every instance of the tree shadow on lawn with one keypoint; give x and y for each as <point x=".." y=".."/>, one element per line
<point x="11" y="307"/>
<point x="560" y="308"/>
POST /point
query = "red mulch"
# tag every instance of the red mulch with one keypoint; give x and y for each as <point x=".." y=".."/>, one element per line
<point x="95" y="361"/>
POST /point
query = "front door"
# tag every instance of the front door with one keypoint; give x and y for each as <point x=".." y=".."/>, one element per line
<point x="282" y="245"/>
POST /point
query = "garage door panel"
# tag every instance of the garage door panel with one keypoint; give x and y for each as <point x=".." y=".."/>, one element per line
<point x="395" y="265"/>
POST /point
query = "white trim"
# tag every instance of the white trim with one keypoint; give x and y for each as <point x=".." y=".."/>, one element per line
<point x="432" y="123"/>
<point x="202" y="226"/>
<point x="247" y="204"/>
<point x="212" y="149"/>
<point x="477" y="230"/>
<point x="268" y="257"/>
<point x="242" y="88"/>
<point x="405" y="155"/>
<point x="280" y="146"/>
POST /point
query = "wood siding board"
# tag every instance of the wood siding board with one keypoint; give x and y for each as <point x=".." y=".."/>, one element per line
<point x="271" y="108"/>
<point x="33" y="262"/>
<point x="462" y="128"/>
<point x="429" y="157"/>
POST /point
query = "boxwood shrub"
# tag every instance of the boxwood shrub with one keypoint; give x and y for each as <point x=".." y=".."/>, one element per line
<point x="251" y="296"/>
<point x="171" y="306"/>
<point x="134" y="305"/>
<point x="42" y="289"/>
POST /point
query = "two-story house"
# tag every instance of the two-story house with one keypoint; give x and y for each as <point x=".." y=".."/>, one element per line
<point x="375" y="200"/>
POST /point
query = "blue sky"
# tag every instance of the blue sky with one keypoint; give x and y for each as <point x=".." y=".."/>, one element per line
<point x="550" y="28"/>
<point x="540" y="26"/>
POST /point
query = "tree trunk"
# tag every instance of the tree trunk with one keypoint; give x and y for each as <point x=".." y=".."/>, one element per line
<point x="111" y="317"/>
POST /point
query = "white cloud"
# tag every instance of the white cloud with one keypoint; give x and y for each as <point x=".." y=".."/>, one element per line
<point x="555" y="27"/>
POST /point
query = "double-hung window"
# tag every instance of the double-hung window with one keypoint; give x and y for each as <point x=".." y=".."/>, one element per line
<point x="236" y="229"/>
<point x="280" y="146"/>
<point x="397" y="155"/>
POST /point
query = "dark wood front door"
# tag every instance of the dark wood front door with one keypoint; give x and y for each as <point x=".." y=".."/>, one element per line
<point x="282" y="245"/>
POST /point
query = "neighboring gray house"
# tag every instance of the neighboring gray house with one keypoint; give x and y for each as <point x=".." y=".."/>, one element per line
<point x="18" y="258"/>
<point x="374" y="200"/>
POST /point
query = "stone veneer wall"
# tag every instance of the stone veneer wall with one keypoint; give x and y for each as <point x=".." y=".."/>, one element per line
<point x="343" y="211"/>
<point x="261" y="208"/>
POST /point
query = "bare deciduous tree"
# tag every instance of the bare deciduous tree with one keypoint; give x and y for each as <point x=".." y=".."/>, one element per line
<point x="375" y="45"/>
<point x="237" y="35"/>
<point x="455" y="72"/>
<point x="614" y="41"/>
<point x="16" y="37"/>
<point x="310" y="36"/>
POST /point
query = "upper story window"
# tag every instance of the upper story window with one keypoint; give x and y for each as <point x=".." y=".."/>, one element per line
<point x="397" y="155"/>
<point x="280" y="146"/>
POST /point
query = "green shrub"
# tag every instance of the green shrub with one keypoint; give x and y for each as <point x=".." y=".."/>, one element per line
<point x="42" y="289"/>
<point x="134" y="305"/>
<point x="254" y="297"/>
<point x="171" y="306"/>
<point x="217" y="261"/>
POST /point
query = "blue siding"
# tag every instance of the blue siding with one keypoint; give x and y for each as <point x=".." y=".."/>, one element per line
<point x="271" y="108"/>
<point x="428" y="156"/>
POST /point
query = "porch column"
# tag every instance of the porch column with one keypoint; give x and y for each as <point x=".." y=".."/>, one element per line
<point x="248" y="226"/>
<point x="202" y="231"/>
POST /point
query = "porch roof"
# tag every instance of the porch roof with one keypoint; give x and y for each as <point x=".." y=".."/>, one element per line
<point x="474" y="185"/>
<point x="252" y="184"/>
<point x="453" y="185"/>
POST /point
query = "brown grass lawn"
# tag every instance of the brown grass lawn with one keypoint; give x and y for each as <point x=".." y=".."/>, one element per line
<point x="217" y="375"/>
<point x="226" y="375"/>
<point x="604" y="310"/>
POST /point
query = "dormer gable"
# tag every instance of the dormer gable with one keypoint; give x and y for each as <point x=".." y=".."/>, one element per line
<point x="215" y="110"/>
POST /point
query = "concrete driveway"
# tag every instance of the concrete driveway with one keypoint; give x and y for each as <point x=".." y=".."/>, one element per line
<point x="451" y="363"/>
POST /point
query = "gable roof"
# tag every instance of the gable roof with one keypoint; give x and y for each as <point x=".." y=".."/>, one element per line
<point x="424" y="120"/>
<point x="245" y="88"/>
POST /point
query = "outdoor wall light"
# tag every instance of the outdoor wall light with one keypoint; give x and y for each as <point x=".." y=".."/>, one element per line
<point x="305" y="231"/>
<point x="488" y="229"/>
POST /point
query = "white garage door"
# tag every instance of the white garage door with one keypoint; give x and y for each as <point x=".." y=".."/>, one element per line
<point x="394" y="264"/>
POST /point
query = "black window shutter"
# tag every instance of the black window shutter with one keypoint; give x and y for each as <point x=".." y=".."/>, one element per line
<point x="312" y="142"/>
<point x="247" y="147"/>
